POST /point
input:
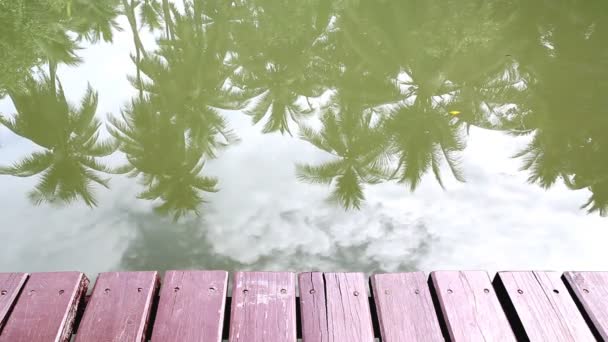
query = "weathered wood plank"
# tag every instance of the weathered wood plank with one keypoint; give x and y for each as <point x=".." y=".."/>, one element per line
<point x="405" y="307"/>
<point x="10" y="285"/>
<point x="313" y="307"/>
<point x="540" y="307"/>
<point x="263" y="307"/>
<point x="191" y="307"/>
<point x="348" y="314"/>
<point x="119" y="307"/>
<point x="591" y="291"/>
<point x="469" y="306"/>
<point x="46" y="308"/>
<point x="335" y="307"/>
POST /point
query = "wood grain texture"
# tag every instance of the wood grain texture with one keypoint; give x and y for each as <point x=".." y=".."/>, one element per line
<point x="471" y="310"/>
<point x="542" y="306"/>
<point x="591" y="290"/>
<point x="119" y="307"/>
<point x="348" y="314"/>
<point x="10" y="285"/>
<point x="191" y="307"/>
<point x="263" y="307"/>
<point x="313" y="307"/>
<point x="334" y="307"/>
<point x="46" y="308"/>
<point x="405" y="308"/>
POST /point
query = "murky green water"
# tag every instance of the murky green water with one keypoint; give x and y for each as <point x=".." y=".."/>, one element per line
<point x="346" y="134"/>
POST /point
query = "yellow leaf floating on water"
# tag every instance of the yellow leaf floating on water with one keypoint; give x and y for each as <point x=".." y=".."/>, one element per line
<point x="454" y="112"/>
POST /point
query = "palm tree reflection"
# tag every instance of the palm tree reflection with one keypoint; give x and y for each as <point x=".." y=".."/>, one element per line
<point x="158" y="150"/>
<point x="390" y="76"/>
<point x="69" y="164"/>
<point x="279" y="49"/>
<point x="559" y="105"/>
<point x="175" y="124"/>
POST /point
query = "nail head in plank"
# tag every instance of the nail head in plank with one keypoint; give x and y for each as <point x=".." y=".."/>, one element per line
<point x="119" y="307"/>
<point x="46" y="308"/>
<point x="405" y="308"/>
<point x="591" y="291"/>
<point x="313" y="307"/>
<point x="10" y="285"/>
<point x="470" y="308"/>
<point x="191" y="307"/>
<point x="348" y="314"/>
<point x="541" y="305"/>
<point x="263" y="307"/>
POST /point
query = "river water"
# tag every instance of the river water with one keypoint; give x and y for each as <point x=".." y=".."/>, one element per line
<point x="303" y="135"/>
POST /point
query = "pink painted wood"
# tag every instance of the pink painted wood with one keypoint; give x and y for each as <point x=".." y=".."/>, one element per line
<point x="10" y="285"/>
<point x="46" y="308"/>
<point x="348" y="314"/>
<point x="191" y="307"/>
<point x="313" y="307"/>
<point x="470" y="307"/>
<point x="119" y="307"/>
<point x="335" y="307"/>
<point x="405" y="308"/>
<point x="263" y="307"/>
<point x="543" y="307"/>
<point x="591" y="290"/>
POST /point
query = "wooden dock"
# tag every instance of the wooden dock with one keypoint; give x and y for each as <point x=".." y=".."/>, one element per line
<point x="317" y="307"/>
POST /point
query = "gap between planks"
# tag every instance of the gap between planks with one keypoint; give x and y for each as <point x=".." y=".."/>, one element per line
<point x="228" y="303"/>
<point x="226" y="324"/>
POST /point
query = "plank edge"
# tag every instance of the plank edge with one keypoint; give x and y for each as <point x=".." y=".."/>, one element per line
<point x="14" y="296"/>
<point x="589" y="317"/>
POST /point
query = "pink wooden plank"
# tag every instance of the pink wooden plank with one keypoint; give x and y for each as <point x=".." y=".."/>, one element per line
<point x="348" y="315"/>
<point x="46" y="308"/>
<point x="541" y="308"/>
<point x="313" y="307"/>
<point x="119" y="307"/>
<point x="591" y="291"/>
<point x="10" y="285"/>
<point x="263" y="307"/>
<point x="191" y="307"/>
<point x="470" y="307"/>
<point x="405" y="308"/>
<point x="335" y="307"/>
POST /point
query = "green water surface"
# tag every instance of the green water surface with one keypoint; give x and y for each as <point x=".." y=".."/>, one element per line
<point x="389" y="92"/>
